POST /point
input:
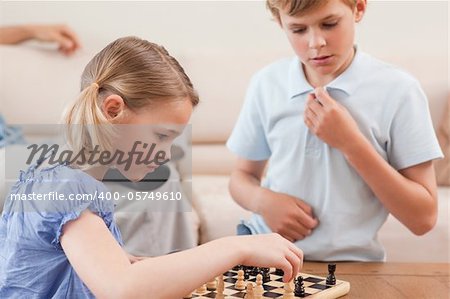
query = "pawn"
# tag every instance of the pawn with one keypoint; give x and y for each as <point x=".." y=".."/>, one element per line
<point x="220" y="288"/>
<point x="299" y="287"/>
<point x="249" y="294"/>
<point x="331" y="279"/>
<point x="201" y="290"/>
<point x="259" y="290"/>
<point x="265" y="275"/>
<point x="212" y="285"/>
<point x="240" y="285"/>
<point x="288" y="290"/>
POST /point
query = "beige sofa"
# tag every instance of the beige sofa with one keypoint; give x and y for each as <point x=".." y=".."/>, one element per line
<point x="35" y="84"/>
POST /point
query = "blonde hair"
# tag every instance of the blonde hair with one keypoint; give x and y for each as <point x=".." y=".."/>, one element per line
<point x="296" y="7"/>
<point x="139" y="71"/>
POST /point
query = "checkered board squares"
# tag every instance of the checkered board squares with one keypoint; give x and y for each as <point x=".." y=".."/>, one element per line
<point x="315" y="287"/>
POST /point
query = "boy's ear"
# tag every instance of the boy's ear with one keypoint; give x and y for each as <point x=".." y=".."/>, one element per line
<point x="112" y="106"/>
<point x="360" y="9"/>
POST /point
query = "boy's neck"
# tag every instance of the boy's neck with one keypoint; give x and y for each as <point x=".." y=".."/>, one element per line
<point x="319" y="80"/>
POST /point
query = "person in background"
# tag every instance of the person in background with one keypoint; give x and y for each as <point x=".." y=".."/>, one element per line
<point x="67" y="40"/>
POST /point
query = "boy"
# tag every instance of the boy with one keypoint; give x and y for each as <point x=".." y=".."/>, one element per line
<point x="349" y="140"/>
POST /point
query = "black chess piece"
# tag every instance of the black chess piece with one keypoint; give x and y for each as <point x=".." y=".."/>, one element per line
<point x="331" y="279"/>
<point x="254" y="271"/>
<point x="237" y="268"/>
<point x="247" y="272"/>
<point x="299" y="287"/>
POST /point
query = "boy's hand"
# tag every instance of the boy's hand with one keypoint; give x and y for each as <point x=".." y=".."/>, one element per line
<point x="288" y="216"/>
<point x="330" y="121"/>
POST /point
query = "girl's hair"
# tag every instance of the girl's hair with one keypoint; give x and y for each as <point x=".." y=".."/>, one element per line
<point x="295" y="7"/>
<point x="139" y="71"/>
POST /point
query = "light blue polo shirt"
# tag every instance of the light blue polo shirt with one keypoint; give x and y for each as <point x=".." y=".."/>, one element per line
<point x="391" y="111"/>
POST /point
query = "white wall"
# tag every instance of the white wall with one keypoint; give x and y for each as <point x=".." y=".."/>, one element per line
<point x="222" y="43"/>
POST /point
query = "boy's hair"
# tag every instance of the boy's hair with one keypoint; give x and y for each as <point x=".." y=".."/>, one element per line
<point x="298" y="7"/>
<point x="139" y="71"/>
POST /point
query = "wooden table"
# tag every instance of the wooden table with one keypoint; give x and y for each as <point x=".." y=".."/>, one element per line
<point x="390" y="280"/>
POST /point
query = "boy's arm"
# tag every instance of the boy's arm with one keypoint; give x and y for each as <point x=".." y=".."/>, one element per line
<point x="105" y="269"/>
<point x="289" y="216"/>
<point x="409" y="194"/>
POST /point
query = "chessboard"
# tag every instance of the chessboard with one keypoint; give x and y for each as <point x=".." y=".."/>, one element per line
<point x="315" y="286"/>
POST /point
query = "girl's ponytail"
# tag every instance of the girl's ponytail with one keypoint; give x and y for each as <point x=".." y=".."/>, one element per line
<point x="87" y="126"/>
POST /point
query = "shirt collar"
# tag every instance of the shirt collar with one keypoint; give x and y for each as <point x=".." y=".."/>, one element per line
<point x="345" y="82"/>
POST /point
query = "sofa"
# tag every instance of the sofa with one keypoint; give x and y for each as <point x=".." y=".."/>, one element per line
<point x="36" y="83"/>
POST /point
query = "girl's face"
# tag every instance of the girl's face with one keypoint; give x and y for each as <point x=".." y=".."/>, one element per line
<point x="323" y="38"/>
<point x="148" y="133"/>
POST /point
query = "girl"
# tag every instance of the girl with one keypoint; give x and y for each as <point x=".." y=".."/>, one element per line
<point x="61" y="249"/>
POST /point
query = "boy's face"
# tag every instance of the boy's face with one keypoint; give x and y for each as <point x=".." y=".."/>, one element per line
<point x="323" y="38"/>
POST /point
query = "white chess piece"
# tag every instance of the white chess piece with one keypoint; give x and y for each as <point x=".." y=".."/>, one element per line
<point x="249" y="294"/>
<point x="220" y="288"/>
<point x="212" y="285"/>
<point x="201" y="290"/>
<point x="288" y="290"/>
<point x="240" y="284"/>
<point x="259" y="290"/>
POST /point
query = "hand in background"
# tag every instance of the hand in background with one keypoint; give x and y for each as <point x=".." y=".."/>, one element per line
<point x="65" y="37"/>
<point x="289" y="216"/>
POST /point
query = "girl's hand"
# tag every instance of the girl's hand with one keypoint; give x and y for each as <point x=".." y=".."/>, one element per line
<point x="270" y="250"/>
<point x="330" y="121"/>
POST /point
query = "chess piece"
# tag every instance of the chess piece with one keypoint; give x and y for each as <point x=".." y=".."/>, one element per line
<point x="240" y="284"/>
<point x="254" y="271"/>
<point x="220" y="288"/>
<point x="299" y="287"/>
<point x="331" y="279"/>
<point x="201" y="290"/>
<point x="259" y="290"/>
<point x="265" y="275"/>
<point x="249" y="294"/>
<point x="212" y="285"/>
<point x="288" y="290"/>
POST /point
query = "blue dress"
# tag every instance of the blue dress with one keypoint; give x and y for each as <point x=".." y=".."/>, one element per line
<point x="32" y="261"/>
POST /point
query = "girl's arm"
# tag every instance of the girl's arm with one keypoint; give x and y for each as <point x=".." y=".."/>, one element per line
<point x="106" y="270"/>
